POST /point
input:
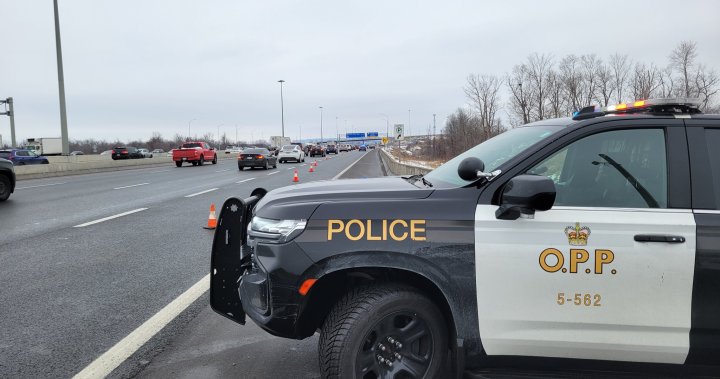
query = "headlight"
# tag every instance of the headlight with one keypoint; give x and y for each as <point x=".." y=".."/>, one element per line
<point x="275" y="231"/>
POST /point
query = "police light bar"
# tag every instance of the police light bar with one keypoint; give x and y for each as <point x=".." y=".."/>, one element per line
<point x="670" y="105"/>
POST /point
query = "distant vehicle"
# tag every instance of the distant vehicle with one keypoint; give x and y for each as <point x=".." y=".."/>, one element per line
<point x="344" y="147"/>
<point x="258" y="157"/>
<point x="291" y="152"/>
<point x="316" y="150"/>
<point x="194" y="152"/>
<point x="331" y="149"/>
<point x="126" y="152"/>
<point x="279" y="141"/>
<point x="21" y="157"/>
<point x="45" y="146"/>
<point x="158" y="151"/>
<point x="107" y="152"/>
<point x="145" y="152"/>
<point x="7" y="179"/>
<point x="77" y="152"/>
<point x="362" y="148"/>
<point x="371" y="147"/>
<point x="170" y="153"/>
<point x="233" y="149"/>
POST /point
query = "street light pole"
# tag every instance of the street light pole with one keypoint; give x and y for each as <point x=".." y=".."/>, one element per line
<point x="282" y="107"/>
<point x="409" y="130"/>
<point x="190" y="122"/>
<point x="337" y="134"/>
<point x="321" y="131"/>
<point x="387" y="125"/>
<point x="218" y="135"/>
<point x="61" y="85"/>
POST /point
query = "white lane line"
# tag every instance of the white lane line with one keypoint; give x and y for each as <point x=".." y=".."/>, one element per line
<point x="273" y="173"/>
<point x="245" y="180"/>
<point x="291" y="168"/>
<point x="348" y="167"/>
<point x="111" y="359"/>
<point x="304" y="164"/>
<point x="109" y="218"/>
<point x="202" y="192"/>
<point x="40" y="185"/>
<point x="227" y="169"/>
<point x="134" y="185"/>
<point x="157" y="172"/>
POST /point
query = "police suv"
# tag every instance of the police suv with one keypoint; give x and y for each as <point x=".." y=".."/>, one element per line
<point x="593" y="239"/>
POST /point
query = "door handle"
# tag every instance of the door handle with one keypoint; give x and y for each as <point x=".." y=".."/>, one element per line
<point x="658" y="238"/>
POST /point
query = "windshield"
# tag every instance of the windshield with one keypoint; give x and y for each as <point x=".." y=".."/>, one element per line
<point x="255" y="151"/>
<point x="493" y="152"/>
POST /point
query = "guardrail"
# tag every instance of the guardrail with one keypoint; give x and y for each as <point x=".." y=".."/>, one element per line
<point x="399" y="168"/>
<point x="84" y="164"/>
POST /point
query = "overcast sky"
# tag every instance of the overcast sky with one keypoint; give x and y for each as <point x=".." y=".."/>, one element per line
<point x="136" y="67"/>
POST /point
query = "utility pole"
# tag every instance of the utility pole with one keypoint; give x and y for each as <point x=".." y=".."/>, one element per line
<point x="10" y="111"/>
<point x="409" y="130"/>
<point x="433" y="136"/>
<point x="61" y="85"/>
<point x="190" y="122"/>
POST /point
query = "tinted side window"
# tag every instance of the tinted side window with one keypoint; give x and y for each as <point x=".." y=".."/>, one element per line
<point x="712" y="138"/>
<point x="618" y="169"/>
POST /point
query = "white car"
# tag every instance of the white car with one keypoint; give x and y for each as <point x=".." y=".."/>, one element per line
<point x="291" y="152"/>
<point x="233" y="150"/>
<point x="145" y="152"/>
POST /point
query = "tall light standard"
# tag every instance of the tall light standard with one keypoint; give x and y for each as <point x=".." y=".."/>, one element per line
<point x="218" y="135"/>
<point x="409" y="130"/>
<point x="321" y="131"/>
<point x="236" y="135"/>
<point x="61" y="85"/>
<point x="337" y="134"/>
<point x="190" y="122"/>
<point x="387" y="125"/>
<point x="282" y="107"/>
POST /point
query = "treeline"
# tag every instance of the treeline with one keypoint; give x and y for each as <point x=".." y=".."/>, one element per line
<point x="90" y="146"/>
<point x="547" y="87"/>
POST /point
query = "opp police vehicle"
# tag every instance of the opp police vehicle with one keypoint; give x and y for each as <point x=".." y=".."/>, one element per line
<point x="593" y="239"/>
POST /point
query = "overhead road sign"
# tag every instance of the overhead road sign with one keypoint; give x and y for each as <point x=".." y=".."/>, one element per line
<point x="355" y="135"/>
<point x="373" y="134"/>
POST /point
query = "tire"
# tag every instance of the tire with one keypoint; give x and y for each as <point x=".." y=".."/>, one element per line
<point x="266" y="165"/>
<point x="178" y="163"/>
<point x="4" y="187"/>
<point x="45" y="161"/>
<point x="214" y="161"/>
<point x="241" y="168"/>
<point x="202" y="161"/>
<point x="275" y="165"/>
<point x="21" y="163"/>
<point x="366" y="318"/>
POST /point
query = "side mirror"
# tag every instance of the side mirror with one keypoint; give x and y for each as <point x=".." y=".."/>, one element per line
<point x="525" y="194"/>
<point x="469" y="168"/>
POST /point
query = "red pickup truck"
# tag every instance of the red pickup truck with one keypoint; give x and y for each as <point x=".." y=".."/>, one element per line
<point x="196" y="153"/>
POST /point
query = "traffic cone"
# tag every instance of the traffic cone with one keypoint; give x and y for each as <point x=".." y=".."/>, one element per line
<point x="315" y="163"/>
<point x="295" y="177"/>
<point x="312" y="169"/>
<point x="212" y="219"/>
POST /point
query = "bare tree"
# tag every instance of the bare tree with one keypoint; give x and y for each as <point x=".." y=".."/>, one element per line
<point x="556" y="100"/>
<point x="707" y="84"/>
<point x="666" y="87"/>
<point x="605" y="83"/>
<point x="589" y="66"/>
<point x="620" y="66"/>
<point x="645" y="80"/>
<point x="483" y="93"/>
<point x="682" y="59"/>
<point x="521" y="94"/>
<point x="571" y="75"/>
<point x="538" y="67"/>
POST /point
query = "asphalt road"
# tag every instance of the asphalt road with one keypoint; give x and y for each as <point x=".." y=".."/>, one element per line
<point x="76" y="281"/>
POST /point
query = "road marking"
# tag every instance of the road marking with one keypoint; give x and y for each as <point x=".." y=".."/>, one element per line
<point x="245" y="180"/>
<point x="347" y="168"/>
<point x="273" y="173"/>
<point x="227" y="169"/>
<point x="291" y="168"/>
<point x="304" y="164"/>
<point x="157" y="172"/>
<point x="111" y="359"/>
<point x="134" y="185"/>
<point x="40" y="185"/>
<point x="202" y="192"/>
<point x="109" y="218"/>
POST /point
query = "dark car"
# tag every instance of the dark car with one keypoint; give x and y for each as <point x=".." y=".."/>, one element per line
<point x="331" y="149"/>
<point x="20" y="157"/>
<point x="316" y="150"/>
<point x="362" y="148"/>
<point x="128" y="152"/>
<point x="7" y="179"/>
<point x="257" y="157"/>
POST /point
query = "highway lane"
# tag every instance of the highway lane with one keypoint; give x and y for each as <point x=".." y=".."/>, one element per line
<point x="70" y="293"/>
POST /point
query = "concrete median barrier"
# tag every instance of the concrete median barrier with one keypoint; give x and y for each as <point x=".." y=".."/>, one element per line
<point x="396" y="167"/>
<point x="83" y="164"/>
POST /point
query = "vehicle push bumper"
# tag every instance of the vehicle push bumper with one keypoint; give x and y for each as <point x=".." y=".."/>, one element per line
<point x="259" y="282"/>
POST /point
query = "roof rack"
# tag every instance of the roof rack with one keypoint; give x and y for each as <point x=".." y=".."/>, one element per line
<point x="681" y="105"/>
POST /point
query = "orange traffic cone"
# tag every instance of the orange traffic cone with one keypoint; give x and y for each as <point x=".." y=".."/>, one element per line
<point x="315" y="163"/>
<point x="212" y="219"/>
<point x="295" y="177"/>
<point x="312" y="169"/>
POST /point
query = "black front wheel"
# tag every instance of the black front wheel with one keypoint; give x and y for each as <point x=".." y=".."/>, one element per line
<point x="178" y="163"/>
<point x="383" y="331"/>
<point x="214" y="161"/>
<point x="4" y="187"/>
